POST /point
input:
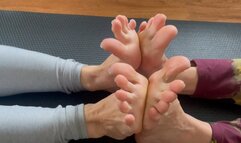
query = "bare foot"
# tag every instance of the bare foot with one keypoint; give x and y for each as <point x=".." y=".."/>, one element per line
<point x="175" y="126"/>
<point x="154" y="39"/>
<point x="164" y="119"/>
<point x="132" y="94"/>
<point x="161" y="90"/>
<point x="126" y="45"/>
<point x="125" y="48"/>
<point x="104" y="118"/>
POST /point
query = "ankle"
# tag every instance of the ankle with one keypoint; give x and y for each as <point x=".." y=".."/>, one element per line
<point x="89" y="75"/>
<point x="93" y="77"/>
<point x="93" y="124"/>
<point x="196" y="131"/>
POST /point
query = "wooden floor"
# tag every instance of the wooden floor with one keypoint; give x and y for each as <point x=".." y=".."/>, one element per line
<point x="195" y="10"/>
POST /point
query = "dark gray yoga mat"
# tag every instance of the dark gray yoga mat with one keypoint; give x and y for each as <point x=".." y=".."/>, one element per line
<point x="78" y="37"/>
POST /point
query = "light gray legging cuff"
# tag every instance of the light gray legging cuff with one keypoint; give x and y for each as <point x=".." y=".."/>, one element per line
<point x="24" y="71"/>
<point x="42" y="125"/>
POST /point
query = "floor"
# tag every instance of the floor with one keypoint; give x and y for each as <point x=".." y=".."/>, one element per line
<point x="194" y="10"/>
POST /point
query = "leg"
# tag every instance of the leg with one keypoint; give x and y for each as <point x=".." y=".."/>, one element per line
<point x="164" y="119"/>
<point x="132" y="94"/>
<point x="27" y="124"/>
<point x="154" y="39"/>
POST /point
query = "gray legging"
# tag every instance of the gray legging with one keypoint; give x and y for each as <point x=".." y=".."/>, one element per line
<point x="24" y="71"/>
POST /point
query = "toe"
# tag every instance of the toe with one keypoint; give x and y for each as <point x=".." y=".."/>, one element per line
<point x="117" y="29"/>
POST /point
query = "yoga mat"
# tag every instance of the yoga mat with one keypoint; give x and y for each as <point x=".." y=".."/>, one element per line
<point x="78" y="37"/>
